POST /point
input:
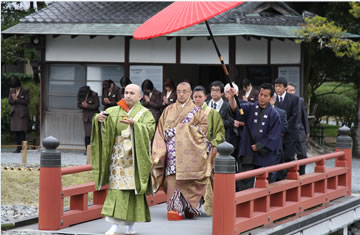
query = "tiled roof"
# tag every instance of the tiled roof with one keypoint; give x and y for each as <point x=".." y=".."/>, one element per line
<point x="139" y="12"/>
<point x="122" y="18"/>
<point x="96" y="12"/>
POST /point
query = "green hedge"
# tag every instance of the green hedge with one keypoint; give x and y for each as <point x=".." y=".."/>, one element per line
<point x="337" y="105"/>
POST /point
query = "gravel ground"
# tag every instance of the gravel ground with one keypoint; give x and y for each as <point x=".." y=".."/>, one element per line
<point x="68" y="158"/>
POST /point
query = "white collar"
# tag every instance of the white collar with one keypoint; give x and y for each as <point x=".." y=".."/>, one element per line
<point x="283" y="96"/>
<point x="219" y="103"/>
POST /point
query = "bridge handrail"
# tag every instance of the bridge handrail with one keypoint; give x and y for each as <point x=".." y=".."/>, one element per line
<point x="52" y="193"/>
<point x="236" y="212"/>
<point x="284" y="166"/>
<point x="75" y="169"/>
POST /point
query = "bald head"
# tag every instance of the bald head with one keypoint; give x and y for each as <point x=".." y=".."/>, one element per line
<point x="185" y="84"/>
<point x="183" y="91"/>
<point x="132" y="94"/>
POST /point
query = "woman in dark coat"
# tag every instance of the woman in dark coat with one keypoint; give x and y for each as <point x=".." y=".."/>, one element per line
<point x="19" y="114"/>
<point x="169" y="93"/>
<point x="152" y="99"/>
<point x="111" y="94"/>
<point x="88" y="101"/>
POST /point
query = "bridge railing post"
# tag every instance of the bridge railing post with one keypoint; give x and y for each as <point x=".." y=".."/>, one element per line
<point x="224" y="191"/>
<point x="50" y="207"/>
<point x="344" y="143"/>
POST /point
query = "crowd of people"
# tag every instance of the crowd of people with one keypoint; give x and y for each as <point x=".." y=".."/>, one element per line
<point x="146" y="140"/>
<point x="172" y="136"/>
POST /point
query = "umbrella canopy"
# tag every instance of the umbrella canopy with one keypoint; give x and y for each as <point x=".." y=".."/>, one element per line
<point x="180" y="15"/>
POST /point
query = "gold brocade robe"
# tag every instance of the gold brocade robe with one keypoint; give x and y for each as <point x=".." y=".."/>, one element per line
<point x="193" y="167"/>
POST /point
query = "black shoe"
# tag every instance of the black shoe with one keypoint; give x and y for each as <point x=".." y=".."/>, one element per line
<point x="17" y="151"/>
<point x="85" y="153"/>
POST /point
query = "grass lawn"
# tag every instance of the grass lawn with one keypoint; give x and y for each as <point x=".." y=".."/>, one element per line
<point x="22" y="186"/>
<point x="348" y="89"/>
<point x="330" y="130"/>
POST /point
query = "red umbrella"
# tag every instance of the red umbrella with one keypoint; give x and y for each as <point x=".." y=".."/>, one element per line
<point x="180" y="15"/>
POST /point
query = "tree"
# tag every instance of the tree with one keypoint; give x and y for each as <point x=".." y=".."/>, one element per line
<point x="325" y="34"/>
<point x="16" y="49"/>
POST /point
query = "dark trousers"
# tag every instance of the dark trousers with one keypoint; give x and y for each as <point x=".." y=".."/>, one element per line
<point x="301" y="153"/>
<point x="20" y="137"/>
<point x="287" y="155"/>
<point x="244" y="164"/>
<point x="87" y="142"/>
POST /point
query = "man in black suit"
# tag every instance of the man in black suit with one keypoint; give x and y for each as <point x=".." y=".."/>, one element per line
<point x="221" y="106"/>
<point x="289" y="103"/>
<point x="275" y="176"/>
<point x="303" y="127"/>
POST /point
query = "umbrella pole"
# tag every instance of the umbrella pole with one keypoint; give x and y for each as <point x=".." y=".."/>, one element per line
<point x="228" y="79"/>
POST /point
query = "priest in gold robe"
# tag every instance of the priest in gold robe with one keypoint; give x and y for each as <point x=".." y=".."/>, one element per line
<point x="120" y="147"/>
<point x="180" y="155"/>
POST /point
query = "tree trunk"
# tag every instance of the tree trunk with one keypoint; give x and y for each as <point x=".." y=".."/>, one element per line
<point x="356" y="131"/>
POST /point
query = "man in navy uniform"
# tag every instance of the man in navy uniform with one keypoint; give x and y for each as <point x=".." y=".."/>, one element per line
<point x="264" y="127"/>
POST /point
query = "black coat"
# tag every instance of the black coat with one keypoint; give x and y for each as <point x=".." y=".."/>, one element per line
<point x="89" y="111"/>
<point x="302" y="121"/>
<point x="290" y="105"/>
<point x="227" y="117"/>
<point x="19" y="113"/>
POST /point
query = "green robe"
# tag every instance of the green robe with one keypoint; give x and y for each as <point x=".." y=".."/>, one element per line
<point x="216" y="130"/>
<point x="124" y="204"/>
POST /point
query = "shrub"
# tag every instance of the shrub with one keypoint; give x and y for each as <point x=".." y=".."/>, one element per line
<point x="338" y="105"/>
<point x="5" y="115"/>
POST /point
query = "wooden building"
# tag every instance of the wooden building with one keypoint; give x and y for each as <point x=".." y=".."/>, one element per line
<point x="84" y="43"/>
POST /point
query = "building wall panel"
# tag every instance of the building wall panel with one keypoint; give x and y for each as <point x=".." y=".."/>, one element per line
<point x="251" y="51"/>
<point x="66" y="126"/>
<point x="84" y="49"/>
<point x="156" y="50"/>
<point x="200" y="50"/>
<point x="285" y="52"/>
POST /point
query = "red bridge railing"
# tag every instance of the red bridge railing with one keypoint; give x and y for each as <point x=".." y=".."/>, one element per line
<point x="236" y="212"/>
<point x="51" y="197"/>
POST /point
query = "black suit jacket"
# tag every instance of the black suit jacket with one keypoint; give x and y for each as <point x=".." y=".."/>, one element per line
<point x="290" y="105"/>
<point x="227" y="118"/>
<point x="302" y="121"/>
<point x="283" y="119"/>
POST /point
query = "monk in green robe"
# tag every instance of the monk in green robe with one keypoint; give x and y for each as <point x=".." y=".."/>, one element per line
<point x="216" y="135"/>
<point x="120" y="148"/>
<point x="180" y="155"/>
